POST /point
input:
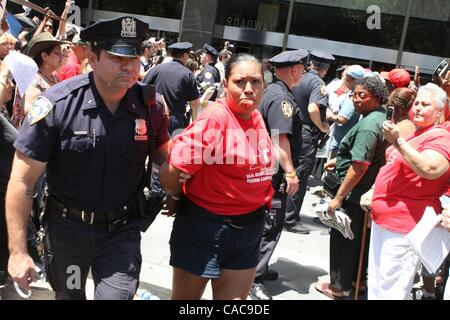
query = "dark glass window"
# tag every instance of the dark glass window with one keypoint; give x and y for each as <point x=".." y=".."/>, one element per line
<point x="428" y="37"/>
<point x="345" y="25"/>
<point x="158" y="8"/>
<point x="253" y="14"/>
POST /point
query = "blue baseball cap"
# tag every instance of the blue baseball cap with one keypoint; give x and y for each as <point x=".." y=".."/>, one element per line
<point x="356" y="71"/>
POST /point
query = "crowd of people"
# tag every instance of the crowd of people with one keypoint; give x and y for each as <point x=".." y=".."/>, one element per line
<point x="228" y="143"/>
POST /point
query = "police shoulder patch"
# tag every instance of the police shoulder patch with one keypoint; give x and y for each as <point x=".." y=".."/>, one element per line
<point x="40" y="108"/>
<point x="323" y="89"/>
<point x="287" y="108"/>
<point x="208" y="75"/>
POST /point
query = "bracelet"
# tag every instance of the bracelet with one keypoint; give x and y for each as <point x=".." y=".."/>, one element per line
<point x="400" y="141"/>
<point x="290" y="175"/>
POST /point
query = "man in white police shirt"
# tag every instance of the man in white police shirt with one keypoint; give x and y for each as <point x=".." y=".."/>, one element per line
<point x="92" y="135"/>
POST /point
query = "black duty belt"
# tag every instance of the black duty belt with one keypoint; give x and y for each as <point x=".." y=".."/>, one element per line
<point x="238" y="221"/>
<point x="309" y="126"/>
<point x="122" y="215"/>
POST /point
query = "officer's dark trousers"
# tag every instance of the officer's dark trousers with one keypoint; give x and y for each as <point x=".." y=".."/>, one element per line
<point x="272" y="232"/>
<point x="344" y="253"/>
<point x="72" y="248"/>
<point x="306" y="165"/>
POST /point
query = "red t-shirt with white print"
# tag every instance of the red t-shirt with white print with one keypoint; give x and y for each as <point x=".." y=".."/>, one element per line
<point x="231" y="161"/>
<point x="401" y="196"/>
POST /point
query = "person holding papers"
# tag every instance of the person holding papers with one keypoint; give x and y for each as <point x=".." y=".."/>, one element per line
<point x="414" y="177"/>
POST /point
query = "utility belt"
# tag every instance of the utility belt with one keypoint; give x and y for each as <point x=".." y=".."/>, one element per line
<point x="113" y="219"/>
<point x="311" y="127"/>
<point x="238" y="222"/>
<point x="321" y="137"/>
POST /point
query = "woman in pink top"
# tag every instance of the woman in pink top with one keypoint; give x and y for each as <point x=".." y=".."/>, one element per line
<point x="414" y="177"/>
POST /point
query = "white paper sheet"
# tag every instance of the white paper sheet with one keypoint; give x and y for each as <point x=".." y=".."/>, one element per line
<point x="23" y="69"/>
<point x="430" y="240"/>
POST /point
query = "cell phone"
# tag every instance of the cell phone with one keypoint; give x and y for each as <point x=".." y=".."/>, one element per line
<point x="390" y="114"/>
<point x="441" y="70"/>
<point x="417" y="77"/>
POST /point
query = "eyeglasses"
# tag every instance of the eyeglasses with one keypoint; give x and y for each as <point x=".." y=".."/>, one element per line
<point x="60" y="53"/>
<point x="360" y="94"/>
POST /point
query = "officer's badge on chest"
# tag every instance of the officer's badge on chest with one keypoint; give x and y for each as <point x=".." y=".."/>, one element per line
<point x="140" y="130"/>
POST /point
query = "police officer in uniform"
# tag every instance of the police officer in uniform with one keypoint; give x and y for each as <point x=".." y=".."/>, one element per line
<point x="210" y="75"/>
<point x="312" y="100"/>
<point x="92" y="135"/>
<point x="177" y="85"/>
<point x="280" y="114"/>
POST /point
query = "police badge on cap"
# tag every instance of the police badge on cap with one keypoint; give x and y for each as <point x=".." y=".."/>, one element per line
<point x="121" y="36"/>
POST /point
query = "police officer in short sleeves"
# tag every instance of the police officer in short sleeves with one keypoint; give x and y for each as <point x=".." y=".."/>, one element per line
<point x="280" y="114"/>
<point x="177" y="84"/>
<point x="312" y="100"/>
<point x="210" y="74"/>
<point x="92" y="135"/>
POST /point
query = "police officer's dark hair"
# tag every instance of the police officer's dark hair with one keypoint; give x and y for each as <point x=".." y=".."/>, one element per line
<point x="38" y="58"/>
<point x="319" y="65"/>
<point x="96" y="51"/>
<point x="376" y="87"/>
<point x="177" y="54"/>
<point x="238" y="58"/>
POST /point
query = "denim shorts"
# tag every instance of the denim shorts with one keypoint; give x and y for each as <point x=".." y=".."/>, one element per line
<point x="203" y="243"/>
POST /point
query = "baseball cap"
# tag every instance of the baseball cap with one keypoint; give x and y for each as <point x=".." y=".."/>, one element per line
<point x="356" y="71"/>
<point x="398" y="77"/>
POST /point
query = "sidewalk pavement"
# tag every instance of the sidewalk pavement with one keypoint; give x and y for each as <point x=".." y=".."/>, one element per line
<point x="301" y="261"/>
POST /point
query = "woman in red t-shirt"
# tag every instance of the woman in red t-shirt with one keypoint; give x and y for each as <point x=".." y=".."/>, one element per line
<point x="415" y="176"/>
<point x="219" y="222"/>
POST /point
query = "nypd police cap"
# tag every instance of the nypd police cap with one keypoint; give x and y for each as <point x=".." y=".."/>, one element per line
<point x="289" y="58"/>
<point x="180" y="46"/>
<point x="121" y="36"/>
<point x="322" y="56"/>
<point x="210" y="49"/>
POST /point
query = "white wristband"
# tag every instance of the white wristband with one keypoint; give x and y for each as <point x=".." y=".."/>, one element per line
<point x="400" y="141"/>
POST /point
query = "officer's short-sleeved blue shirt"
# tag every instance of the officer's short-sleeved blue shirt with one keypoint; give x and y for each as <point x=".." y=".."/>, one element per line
<point x="209" y="75"/>
<point x="311" y="89"/>
<point x="176" y="83"/>
<point x="279" y="112"/>
<point x="95" y="159"/>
